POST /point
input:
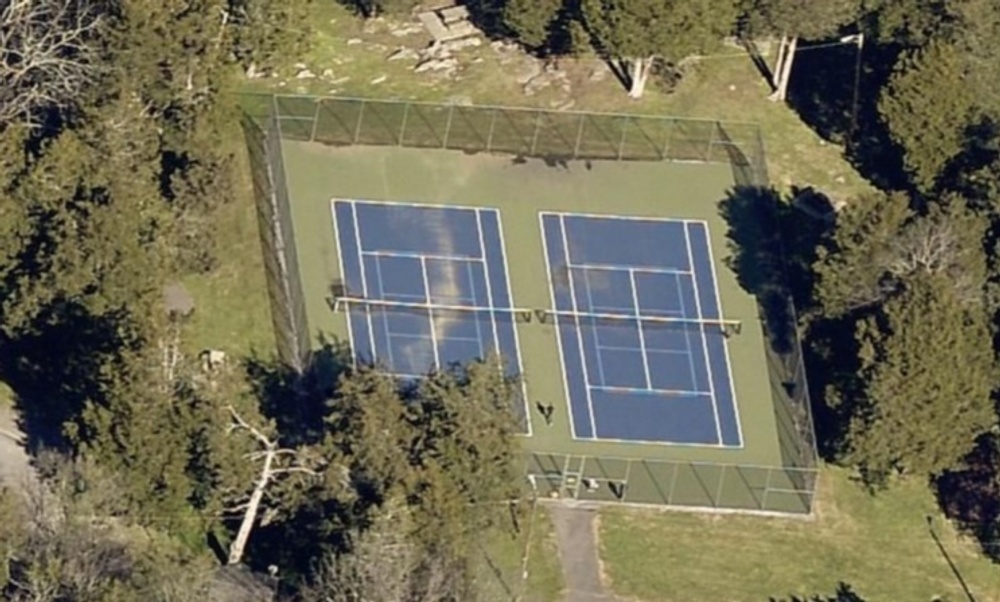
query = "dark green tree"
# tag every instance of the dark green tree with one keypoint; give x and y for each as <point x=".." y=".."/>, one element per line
<point x="928" y="106"/>
<point x="532" y="21"/>
<point x="632" y="34"/>
<point x="929" y="371"/>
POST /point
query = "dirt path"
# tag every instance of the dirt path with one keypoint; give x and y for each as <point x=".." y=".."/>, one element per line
<point x="15" y="464"/>
<point x="576" y="534"/>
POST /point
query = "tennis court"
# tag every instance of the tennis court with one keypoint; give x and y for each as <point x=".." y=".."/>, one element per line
<point x="641" y="332"/>
<point x="430" y="285"/>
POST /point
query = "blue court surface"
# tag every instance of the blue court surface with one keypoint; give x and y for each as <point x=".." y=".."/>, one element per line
<point x="635" y="300"/>
<point x="434" y="282"/>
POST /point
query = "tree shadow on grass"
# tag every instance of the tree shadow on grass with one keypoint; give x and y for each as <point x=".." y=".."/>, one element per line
<point x="970" y="496"/>
<point x="822" y="91"/>
<point x="55" y="367"/>
<point x="844" y="593"/>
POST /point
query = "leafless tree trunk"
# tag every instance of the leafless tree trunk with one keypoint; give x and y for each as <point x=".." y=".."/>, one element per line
<point x="46" y="57"/>
<point x="275" y="463"/>
<point x="783" y="67"/>
<point x="640" y="69"/>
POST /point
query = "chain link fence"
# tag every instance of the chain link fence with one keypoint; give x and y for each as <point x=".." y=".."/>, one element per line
<point x="559" y="135"/>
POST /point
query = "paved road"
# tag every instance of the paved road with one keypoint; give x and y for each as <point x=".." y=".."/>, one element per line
<point x="576" y="534"/>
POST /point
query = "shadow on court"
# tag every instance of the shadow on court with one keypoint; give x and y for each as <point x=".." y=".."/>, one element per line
<point x="844" y="593"/>
<point x="773" y="243"/>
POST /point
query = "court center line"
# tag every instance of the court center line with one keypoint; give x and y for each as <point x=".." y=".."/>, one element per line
<point x="594" y="330"/>
<point x="725" y="343"/>
<point x="489" y="287"/>
<point x="579" y="330"/>
<point x="701" y="332"/>
<point x="385" y="322"/>
<point x="364" y="283"/>
<point x="638" y="322"/>
<point x="430" y="314"/>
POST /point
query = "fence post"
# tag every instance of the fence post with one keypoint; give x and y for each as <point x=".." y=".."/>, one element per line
<point x="767" y="489"/>
<point x="538" y="127"/>
<point x="668" y="137"/>
<point x="718" y="490"/>
<point x="447" y="126"/>
<point x="673" y="483"/>
<point x="579" y="135"/>
<point x="312" y="135"/>
<point x="402" y="125"/>
<point x="711" y="141"/>
<point x="493" y="125"/>
<point x="621" y="142"/>
<point x="357" y="125"/>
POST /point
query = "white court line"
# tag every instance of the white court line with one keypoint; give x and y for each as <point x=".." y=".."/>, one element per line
<point x="612" y="216"/>
<point x="343" y="277"/>
<point x="627" y="268"/>
<point x="364" y="283"/>
<point x="593" y="328"/>
<point x="650" y="391"/>
<point x="430" y="315"/>
<point x="559" y="326"/>
<point x="385" y="323"/>
<point x="638" y="322"/>
<point x="687" y="334"/>
<point x="579" y="338"/>
<point x="725" y="343"/>
<point x="704" y="343"/>
<point x="415" y="255"/>
<point x="489" y="287"/>
<point x="420" y="204"/>
<point x="513" y="325"/>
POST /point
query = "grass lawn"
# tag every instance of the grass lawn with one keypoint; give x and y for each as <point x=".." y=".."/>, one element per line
<point x="880" y="546"/>
<point x="502" y="566"/>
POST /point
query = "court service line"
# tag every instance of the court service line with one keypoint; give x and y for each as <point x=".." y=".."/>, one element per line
<point x="634" y="218"/>
<point x="510" y="301"/>
<point x="343" y="277"/>
<point x="364" y="282"/>
<point x="704" y="342"/>
<point x="417" y="204"/>
<point x="579" y="338"/>
<point x="627" y="268"/>
<point x="638" y="323"/>
<point x="430" y="315"/>
<point x="559" y="326"/>
<point x="650" y="391"/>
<point x="416" y="255"/>
<point x="725" y="343"/>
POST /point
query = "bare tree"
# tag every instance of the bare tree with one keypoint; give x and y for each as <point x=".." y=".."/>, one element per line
<point x="46" y="55"/>
<point x="385" y="565"/>
<point x="276" y="462"/>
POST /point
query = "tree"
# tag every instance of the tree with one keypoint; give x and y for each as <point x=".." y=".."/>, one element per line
<point x="928" y="107"/>
<point x="792" y="20"/>
<point x="880" y="244"/>
<point x="532" y="21"/>
<point x="928" y="365"/>
<point x="632" y="34"/>
<point x="48" y="52"/>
